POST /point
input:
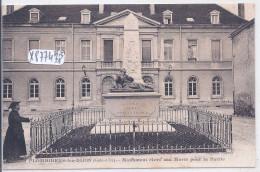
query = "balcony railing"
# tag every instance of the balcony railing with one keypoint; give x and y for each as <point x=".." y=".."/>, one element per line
<point x="192" y="59"/>
<point x="111" y="64"/>
<point x="148" y="64"/>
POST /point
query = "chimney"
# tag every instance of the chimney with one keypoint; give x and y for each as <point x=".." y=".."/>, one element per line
<point x="152" y="8"/>
<point x="9" y="9"/>
<point x="241" y="10"/>
<point x="101" y="8"/>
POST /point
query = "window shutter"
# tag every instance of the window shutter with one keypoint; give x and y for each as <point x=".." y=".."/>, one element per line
<point x="192" y="48"/>
<point x="108" y="50"/>
<point x="168" y="45"/>
<point x="215" y="46"/>
<point x="7" y="50"/>
<point x="85" y="49"/>
<point x="146" y="51"/>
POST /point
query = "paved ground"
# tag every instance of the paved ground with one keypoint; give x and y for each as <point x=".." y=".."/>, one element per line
<point x="243" y="153"/>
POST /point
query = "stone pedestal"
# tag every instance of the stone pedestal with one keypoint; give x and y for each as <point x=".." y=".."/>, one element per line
<point x="132" y="105"/>
<point x="121" y="126"/>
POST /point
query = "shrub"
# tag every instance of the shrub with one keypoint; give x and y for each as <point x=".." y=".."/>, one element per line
<point x="244" y="105"/>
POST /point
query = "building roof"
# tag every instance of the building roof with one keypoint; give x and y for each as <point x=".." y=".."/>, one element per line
<point x="51" y="13"/>
<point x="241" y="28"/>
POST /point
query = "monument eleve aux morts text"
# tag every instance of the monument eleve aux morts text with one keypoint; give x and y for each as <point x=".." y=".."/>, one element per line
<point x="130" y="97"/>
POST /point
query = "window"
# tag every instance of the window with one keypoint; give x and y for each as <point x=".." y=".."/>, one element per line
<point x="85" y="88"/>
<point x="7" y="89"/>
<point x="85" y="49"/>
<point x="60" y="45"/>
<point x="34" y="15"/>
<point x="85" y="16"/>
<point x="214" y="17"/>
<point x="167" y="17"/>
<point x="7" y="49"/>
<point x="189" y="19"/>
<point x="192" y="50"/>
<point x="216" y="86"/>
<point x="215" y="50"/>
<point x="146" y="50"/>
<point x="192" y="86"/>
<point x="33" y="88"/>
<point x="168" y="46"/>
<point x="168" y="85"/>
<point x="60" y="88"/>
<point x="62" y="18"/>
<point x="34" y="44"/>
<point x="108" y="50"/>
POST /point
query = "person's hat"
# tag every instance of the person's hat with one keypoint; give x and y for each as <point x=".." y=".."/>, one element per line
<point x="13" y="104"/>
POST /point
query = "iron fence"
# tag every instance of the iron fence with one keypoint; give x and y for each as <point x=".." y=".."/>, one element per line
<point x="217" y="127"/>
<point x="86" y="132"/>
<point x="48" y="129"/>
<point x="118" y="137"/>
<point x="95" y="151"/>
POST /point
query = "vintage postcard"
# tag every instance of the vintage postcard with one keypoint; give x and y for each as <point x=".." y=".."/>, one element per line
<point x="128" y="85"/>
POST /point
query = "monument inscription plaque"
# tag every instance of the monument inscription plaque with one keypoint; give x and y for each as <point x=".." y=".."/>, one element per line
<point x="132" y="105"/>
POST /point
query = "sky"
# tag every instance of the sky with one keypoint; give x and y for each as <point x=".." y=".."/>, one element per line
<point x="232" y="7"/>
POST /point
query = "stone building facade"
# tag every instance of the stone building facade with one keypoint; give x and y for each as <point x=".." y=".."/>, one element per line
<point x="184" y="49"/>
<point x="243" y="40"/>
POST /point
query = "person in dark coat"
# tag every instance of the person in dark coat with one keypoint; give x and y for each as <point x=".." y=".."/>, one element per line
<point x="14" y="144"/>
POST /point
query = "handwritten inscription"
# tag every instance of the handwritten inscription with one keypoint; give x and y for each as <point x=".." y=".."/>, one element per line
<point x="48" y="57"/>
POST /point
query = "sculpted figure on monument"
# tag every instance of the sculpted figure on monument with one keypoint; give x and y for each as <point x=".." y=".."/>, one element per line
<point x="132" y="58"/>
<point x="125" y="83"/>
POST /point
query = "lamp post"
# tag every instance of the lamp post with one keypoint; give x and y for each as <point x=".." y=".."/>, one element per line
<point x="170" y="68"/>
<point x="84" y="69"/>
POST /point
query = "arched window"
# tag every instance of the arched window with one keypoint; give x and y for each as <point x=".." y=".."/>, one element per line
<point x="85" y="87"/>
<point x="33" y="88"/>
<point x="148" y="80"/>
<point x="60" y="88"/>
<point x="7" y="89"/>
<point x="193" y="86"/>
<point x="168" y="85"/>
<point x="216" y="86"/>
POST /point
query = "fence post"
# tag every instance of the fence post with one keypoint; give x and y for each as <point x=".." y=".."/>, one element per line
<point x="36" y="132"/>
<point x="134" y="137"/>
<point x="157" y="138"/>
<point x="231" y="137"/>
<point x="175" y="111"/>
<point x="31" y="138"/>
<point x="41" y="135"/>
